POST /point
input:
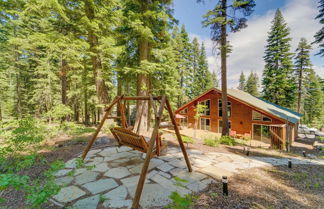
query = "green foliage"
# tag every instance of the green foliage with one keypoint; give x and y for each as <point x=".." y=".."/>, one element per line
<point x="187" y="139"/>
<point x="211" y="142"/>
<point x="227" y="140"/>
<point x="313" y="102"/>
<point x="319" y="36"/>
<point x="252" y="84"/>
<point x="79" y="162"/>
<point x="278" y="80"/>
<point x="59" y="112"/>
<point x="75" y="129"/>
<point x="242" y="82"/>
<point x="180" y="202"/>
<point x="37" y="191"/>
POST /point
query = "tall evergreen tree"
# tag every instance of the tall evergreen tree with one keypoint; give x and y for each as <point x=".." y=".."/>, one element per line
<point x="225" y="15"/>
<point x="252" y="84"/>
<point x="241" y="82"/>
<point x="278" y="81"/>
<point x="319" y="36"/>
<point x="313" y="104"/>
<point x="215" y="83"/>
<point x="302" y="68"/>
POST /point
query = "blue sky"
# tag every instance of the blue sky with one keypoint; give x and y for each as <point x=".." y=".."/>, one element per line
<point x="248" y="45"/>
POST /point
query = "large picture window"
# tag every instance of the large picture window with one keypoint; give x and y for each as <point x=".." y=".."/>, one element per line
<point x="184" y="111"/>
<point x="220" y="108"/>
<point x="256" y="116"/>
<point x="205" y="124"/>
<point x="184" y="122"/>
<point x="206" y="103"/>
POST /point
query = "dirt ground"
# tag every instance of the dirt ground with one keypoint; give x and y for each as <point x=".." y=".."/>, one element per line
<point x="268" y="188"/>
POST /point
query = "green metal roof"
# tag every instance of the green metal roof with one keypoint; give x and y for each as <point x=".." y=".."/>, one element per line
<point x="264" y="105"/>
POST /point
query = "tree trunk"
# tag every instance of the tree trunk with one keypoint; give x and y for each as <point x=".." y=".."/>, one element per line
<point x="142" y="90"/>
<point x="0" y="112"/>
<point x="101" y="88"/>
<point x="63" y="73"/>
<point x="86" y="110"/>
<point x="18" y="93"/>
<point x="300" y="80"/>
<point x="223" y="69"/>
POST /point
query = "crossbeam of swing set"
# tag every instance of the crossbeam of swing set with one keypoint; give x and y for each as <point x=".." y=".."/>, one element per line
<point x="164" y="104"/>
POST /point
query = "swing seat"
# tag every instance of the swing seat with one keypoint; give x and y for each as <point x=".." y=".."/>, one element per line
<point x="138" y="142"/>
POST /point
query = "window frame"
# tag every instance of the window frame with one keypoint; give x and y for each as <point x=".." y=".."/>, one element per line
<point x="262" y="116"/>
<point x="205" y="129"/>
<point x="229" y="106"/>
<point x="207" y="109"/>
<point x="184" y="113"/>
<point x="186" y="117"/>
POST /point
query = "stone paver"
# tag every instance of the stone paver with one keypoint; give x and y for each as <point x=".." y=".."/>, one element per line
<point x="85" y="177"/>
<point x="117" y="204"/>
<point x="64" y="180"/>
<point x="100" y="185"/>
<point x="120" y="193"/>
<point x="62" y="172"/>
<point x="116" y="174"/>
<point x="153" y="195"/>
<point x="102" y="167"/>
<point x="87" y="203"/>
<point x="68" y="194"/>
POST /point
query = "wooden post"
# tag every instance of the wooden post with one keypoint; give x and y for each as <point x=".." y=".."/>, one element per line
<point x="176" y="129"/>
<point x="122" y="114"/>
<point x="141" y="180"/>
<point x="108" y="110"/>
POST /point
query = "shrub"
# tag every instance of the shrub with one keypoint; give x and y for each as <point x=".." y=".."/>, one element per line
<point x="227" y="140"/>
<point x="211" y="140"/>
<point x="187" y="139"/>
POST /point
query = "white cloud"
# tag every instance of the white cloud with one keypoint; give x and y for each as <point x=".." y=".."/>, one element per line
<point x="249" y="44"/>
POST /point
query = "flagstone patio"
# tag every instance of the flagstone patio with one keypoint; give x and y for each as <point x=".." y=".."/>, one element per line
<point x="109" y="176"/>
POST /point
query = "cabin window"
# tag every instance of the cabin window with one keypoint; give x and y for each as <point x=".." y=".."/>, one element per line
<point x="205" y="124"/>
<point x="220" y="108"/>
<point x="184" y="111"/>
<point x="256" y="115"/>
<point x="206" y="103"/>
<point x="220" y="125"/>
<point x="184" y="122"/>
<point x="260" y="117"/>
<point x="266" y="119"/>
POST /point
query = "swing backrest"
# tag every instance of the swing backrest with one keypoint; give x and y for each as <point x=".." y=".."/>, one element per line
<point x="130" y="139"/>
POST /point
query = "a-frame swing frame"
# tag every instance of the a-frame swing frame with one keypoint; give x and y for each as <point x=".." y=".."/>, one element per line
<point x="164" y="104"/>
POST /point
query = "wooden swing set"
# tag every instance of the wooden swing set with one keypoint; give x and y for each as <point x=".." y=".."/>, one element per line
<point x="125" y="136"/>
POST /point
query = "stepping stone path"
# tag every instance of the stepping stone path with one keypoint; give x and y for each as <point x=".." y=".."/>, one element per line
<point x="109" y="176"/>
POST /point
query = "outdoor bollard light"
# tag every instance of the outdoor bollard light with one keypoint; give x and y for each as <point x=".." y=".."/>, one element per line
<point x="289" y="163"/>
<point x="225" y="187"/>
<point x="248" y="152"/>
<point x="304" y="153"/>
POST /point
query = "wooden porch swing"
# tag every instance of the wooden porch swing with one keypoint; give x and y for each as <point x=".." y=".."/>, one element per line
<point x="125" y="136"/>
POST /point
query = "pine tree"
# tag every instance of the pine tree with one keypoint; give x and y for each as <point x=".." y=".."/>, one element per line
<point x="242" y="82"/>
<point x="302" y="68"/>
<point x="313" y="104"/>
<point x="215" y="83"/>
<point x="319" y="36"/>
<point x="252" y="84"/>
<point x="205" y="75"/>
<point x="278" y="81"/>
<point x="218" y="19"/>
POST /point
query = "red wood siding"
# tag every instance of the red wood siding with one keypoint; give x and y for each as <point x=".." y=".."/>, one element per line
<point x="241" y="118"/>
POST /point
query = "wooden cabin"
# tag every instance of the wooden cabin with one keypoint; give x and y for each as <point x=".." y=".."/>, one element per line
<point x="249" y="117"/>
